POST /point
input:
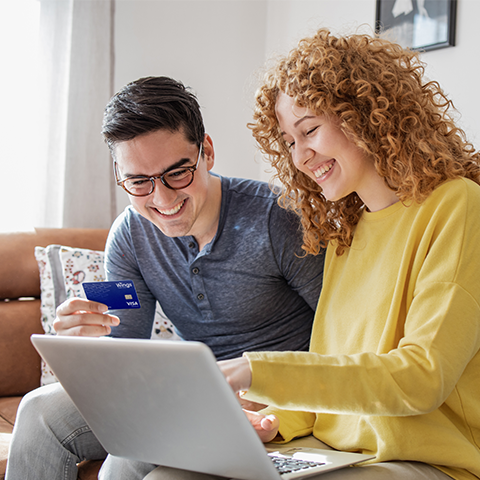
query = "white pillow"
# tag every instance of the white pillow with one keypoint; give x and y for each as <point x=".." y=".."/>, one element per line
<point x="62" y="272"/>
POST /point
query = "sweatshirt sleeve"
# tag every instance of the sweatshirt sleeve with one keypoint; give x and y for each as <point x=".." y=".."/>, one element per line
<point x="435" y="342"/>
<point x="292" y="424"/>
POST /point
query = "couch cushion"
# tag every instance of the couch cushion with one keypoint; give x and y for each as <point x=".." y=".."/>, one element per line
<point x="19" y="361"/>
<point x="8" y="413"/>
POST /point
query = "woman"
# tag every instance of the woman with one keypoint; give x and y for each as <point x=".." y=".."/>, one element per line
<point x="383" y="178"/>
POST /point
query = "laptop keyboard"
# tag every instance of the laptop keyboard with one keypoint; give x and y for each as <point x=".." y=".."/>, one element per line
<point x="290" y="465"/>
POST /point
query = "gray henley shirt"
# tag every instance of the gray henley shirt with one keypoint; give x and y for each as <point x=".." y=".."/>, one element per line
<point x="251" y="288"/>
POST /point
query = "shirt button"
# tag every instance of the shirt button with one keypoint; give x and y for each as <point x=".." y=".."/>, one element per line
<point x="195" y="270"/>
<point x="200" y="296"/>
<point x="191" y="245"/>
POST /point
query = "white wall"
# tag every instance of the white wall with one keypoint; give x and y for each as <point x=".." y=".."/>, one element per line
<point x="290" y="20"/>
<point x="212" y="46"/>
<point x="457" y="68"/>
<point x="218" y="47"/>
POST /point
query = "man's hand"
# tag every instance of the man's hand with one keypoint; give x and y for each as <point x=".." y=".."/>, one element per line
<point x="266" y="426"/>
<point x="85" y="318"/>
<point x="237" y="372"/>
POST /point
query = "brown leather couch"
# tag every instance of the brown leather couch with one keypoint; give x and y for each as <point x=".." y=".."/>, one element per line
<point x="20" y="366"/>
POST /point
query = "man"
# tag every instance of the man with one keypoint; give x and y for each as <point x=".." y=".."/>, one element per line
<point x="220" y="256"/>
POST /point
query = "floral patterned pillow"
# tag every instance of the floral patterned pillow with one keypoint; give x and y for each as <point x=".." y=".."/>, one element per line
<point x="62" y="272"/>
<point x="80" y="265"/>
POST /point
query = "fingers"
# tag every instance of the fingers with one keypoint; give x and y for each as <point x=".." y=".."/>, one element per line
<point x="78" y="316"/>
<point x="237" y="372"/>
<point x="270" y="423"/>
<point x="266" y="426"/>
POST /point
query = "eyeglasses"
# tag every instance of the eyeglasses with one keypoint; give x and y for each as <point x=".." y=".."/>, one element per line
<point x="141" y="185"/>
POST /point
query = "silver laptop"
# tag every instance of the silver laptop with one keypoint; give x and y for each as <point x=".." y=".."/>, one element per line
<point x="167" y="403"/>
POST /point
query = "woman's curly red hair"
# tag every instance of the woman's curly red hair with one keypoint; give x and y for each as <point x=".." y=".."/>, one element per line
<point x="377" y="89"/>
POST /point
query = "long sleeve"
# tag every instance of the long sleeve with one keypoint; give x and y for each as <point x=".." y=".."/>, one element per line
<point x="395" y="344"/>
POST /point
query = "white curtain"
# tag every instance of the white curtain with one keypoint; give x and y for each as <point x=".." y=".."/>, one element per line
<point x="76" y="76"/>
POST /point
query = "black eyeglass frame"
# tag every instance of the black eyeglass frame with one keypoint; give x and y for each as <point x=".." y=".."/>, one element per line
<point x="152" y="179"/>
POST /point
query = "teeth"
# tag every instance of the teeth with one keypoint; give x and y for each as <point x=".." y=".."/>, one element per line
<point x="173" y="210"/>
<point x="323" y="170"/>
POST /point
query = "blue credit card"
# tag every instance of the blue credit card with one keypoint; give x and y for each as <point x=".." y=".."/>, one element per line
<point x="115" y="295"/>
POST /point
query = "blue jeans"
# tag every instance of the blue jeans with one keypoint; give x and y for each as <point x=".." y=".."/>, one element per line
<point x="50" y="437"/>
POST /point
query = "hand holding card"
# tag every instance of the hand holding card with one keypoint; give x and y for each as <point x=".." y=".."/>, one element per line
<point x="117" y="295"/>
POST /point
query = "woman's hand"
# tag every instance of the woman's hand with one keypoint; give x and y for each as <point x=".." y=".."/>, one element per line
<point x="239" y="376"/>
<point x="248" y="405"/>
<point x="237" y="372"/>
<point x="266" y="426"/>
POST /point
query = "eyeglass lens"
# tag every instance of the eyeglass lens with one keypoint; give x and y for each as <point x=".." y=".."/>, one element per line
<point x="176" y="179"/>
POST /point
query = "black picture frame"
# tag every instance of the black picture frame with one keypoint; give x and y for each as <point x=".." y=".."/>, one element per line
<point x="418" y="24"/>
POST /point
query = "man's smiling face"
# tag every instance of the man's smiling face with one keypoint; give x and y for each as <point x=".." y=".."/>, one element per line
<point x="175" y="212"/>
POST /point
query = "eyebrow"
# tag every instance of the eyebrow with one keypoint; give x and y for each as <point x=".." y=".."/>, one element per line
<point x="178" y="164"/>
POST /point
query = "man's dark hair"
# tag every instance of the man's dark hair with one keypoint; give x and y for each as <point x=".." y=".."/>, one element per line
<point x="149" y="104"/>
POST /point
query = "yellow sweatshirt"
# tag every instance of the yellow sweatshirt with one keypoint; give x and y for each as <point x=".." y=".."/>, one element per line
<point x="394" y="363"/>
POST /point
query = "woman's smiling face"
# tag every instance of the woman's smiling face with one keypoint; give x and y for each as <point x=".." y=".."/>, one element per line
<point x="321" y="150"/>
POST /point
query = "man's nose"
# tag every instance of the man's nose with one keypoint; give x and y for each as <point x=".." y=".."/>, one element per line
<point x="162" y="195"/>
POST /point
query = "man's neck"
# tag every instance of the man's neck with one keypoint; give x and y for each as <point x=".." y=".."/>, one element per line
<point x="213" y="208"/>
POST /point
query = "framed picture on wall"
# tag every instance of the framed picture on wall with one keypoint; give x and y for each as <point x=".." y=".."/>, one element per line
<point x="418" y="24"/>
